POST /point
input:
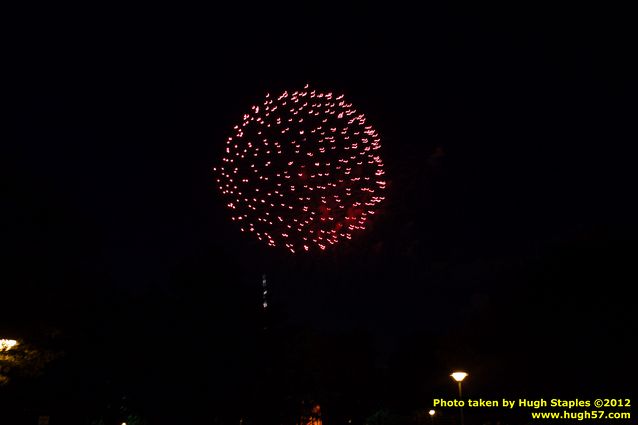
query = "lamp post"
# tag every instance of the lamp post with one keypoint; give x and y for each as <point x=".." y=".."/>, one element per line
<point x="459" y="377"/>
<point x="5" y="346"/>
<point x="432" y="412"/>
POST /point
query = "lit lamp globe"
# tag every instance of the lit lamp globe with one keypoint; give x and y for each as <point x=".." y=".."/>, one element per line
<point x="459" y="376"/>
<point x="7" y="344"/>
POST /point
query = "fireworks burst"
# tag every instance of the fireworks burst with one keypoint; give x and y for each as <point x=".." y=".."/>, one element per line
<point x="302" y="171"/>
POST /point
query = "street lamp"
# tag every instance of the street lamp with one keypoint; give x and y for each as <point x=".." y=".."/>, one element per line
<point x="7" y="344"/>
<point x="432" y="412"/>
<point x="459" y="377"/>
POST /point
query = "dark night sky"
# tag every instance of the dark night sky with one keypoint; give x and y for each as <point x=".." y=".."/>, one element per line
<point x="118" y="118"/>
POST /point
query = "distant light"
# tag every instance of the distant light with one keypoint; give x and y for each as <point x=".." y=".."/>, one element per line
<point x="431" y="412"/>
<point x="123" y="423"/>
<point x="7" y="344"/>
<point x="459" y="376"/>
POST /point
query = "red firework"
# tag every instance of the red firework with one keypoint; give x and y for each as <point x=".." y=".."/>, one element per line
<point x="302" y="170"/>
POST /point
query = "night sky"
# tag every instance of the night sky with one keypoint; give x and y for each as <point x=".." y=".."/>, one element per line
<point x="507" y="239"/>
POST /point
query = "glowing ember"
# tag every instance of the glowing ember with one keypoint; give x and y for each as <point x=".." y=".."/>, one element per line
<point x="302" y="171"/>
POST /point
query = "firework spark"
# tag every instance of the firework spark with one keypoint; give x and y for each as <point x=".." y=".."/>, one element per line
<point x="302" y="171"/>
